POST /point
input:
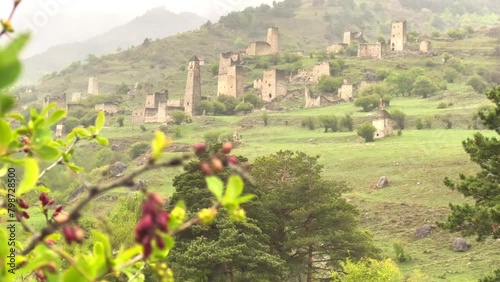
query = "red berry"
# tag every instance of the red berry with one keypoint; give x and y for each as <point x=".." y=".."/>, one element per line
<point x="78" y="234"/>
<point x="23" y="204"/>
<point x="162" y="220"/>
<point x="25" y="215"/>
<point x="51" y="202"/>
<point x="217" y="164"/>
<point x="233" y="160"/>
<point x="205" y="168"/>
<point x="68" y="234"/>
<point x="58" y="208"/>
<point x="44" y="199"/>
<point x="200" y="147"/>
<point x="227" y="147"/>
<point x="157" y="199"/>
<point x="160" y="242"/>
<point x="51" y="267"/>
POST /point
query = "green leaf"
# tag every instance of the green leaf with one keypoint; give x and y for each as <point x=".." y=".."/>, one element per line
<point x="245" y="198"/>
<point x="15" y="116"/>
<point x="177" y="215"/>
<point x="215" y="186"/>
<point x="6" y="103"/>
<point x="31" y="172"/>
<point x="4" y="170"/>
<point x="159" y="144"/>
<point x="5" y="137"/>
<point x="234" y="188"/>
<point x="46" y="110"/>
<point x="43" y="189"/>
<point x="47" y="152"/>
<point x="126" y="255"/>
<point x="75" y="168"/>
<point x="82" y="132"/>
<point x="10" y="66"/>
<point x="103" y="141"/>
<point x="55" y="117"/>
<point x="99" y="237"/>
<point x="4" y="251"/>
<point x="99" y="122"/>
<point x="158" y="254"/>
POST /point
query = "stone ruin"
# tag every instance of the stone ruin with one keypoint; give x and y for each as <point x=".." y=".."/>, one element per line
<point x="346" y="91"/>
<point x="77" y="97"/>
<point x="273" y="84"/>
<point x="425" y="46"/>
<point x="315" y="100"/>
<point x="60" y="100"/>
<point x="366" y="50"/>
<point x="312" y="76"/>
<point x="382" y="124"/>
<point x="59" y="131"/>
<point x="230" y="80"/>
<point x="265" y="48"/>
<point x="399" y="35"/>
<point x="158" y="106"/>
<point x="350" y="36"/>
<point x="93" y="87"/>
<point x="336" y="48"/>
<point x="107" y="108"/>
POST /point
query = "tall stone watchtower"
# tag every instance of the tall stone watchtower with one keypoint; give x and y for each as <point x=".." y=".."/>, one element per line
<point x="273" y="36"/>
<point x="398" y="35"/>
<point x="93" y="86"/>
<point x="193" y="87"/>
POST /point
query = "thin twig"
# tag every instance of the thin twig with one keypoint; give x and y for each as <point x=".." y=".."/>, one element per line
<point x="95" y="191"/>
<point x="59" y="159"/>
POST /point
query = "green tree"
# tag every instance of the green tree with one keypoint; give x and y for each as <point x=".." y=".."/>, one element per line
<point x="71" y="123"/>
<point x="229" y="102"/>
<point x="424" y="87"/>
<point x="219" y="108"/>
<point x="120" y="121"/>
<point x="122" y="89"/>
<point x="399" y="117"/>
<point x="244" y="108"/>
<point x="368" y="103"/>
<point x="310" y="223"/>
<point x="367" y="131"/>
<point x="309" y="122"/>
<point x="330" y="122"/>
<point x="477" y="83"/>
<point x="450" y="75"/>
<point x="138" y="149"/>
<point x="265" y="118"/>
<point x="483" y="217"/>
<point x="253" y="99"/>
<point x="329" y="84"/>
<point x="179" y="117"/>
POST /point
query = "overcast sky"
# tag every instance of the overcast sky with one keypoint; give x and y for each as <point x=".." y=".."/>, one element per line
<point x="63" y="21"/>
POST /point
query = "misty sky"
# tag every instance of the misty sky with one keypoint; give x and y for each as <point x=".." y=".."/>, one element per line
<point x="63" y="21"/>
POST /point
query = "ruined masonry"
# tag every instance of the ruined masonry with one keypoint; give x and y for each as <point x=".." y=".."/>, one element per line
<point x="425" y="46"/>
<point x="382" y="123"/>
<point x="274" y="84"/>
<point x="93" y="88"/>
<point x="193" y="87"/>
<point x="230" y="80"/>
<point x="366" y="50"/>
<point x="350" y="36"/>
<point x="346" y="91"/>
<point x="265" y="48"/>
<point x="398" y="35"/>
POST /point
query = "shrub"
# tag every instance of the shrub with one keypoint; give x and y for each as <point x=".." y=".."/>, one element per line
<point x="138" y="149"/>
<point x="330" y="122"/>
<point x="424" y="87"/>
<point x="219" y="108"/>
<point x="347" y="122"/>
<point x="420" y="124"/>
<point x="265" y="118"/>
<point x="143" y="128"/>
<point x="367" y="131"/>
<point x="450" y="75"/>
<point x="477" y="83"/>
<point x="399" y="117"/>
<point x="448" y="122"/>
<point x="400" y="132"/>
<point x="179" y="117"/>
<point x="253" y="99"/>
<point x="71" y="123"/>
<point x="399" y="248"/>
<point x="211" y="137"/>
<point x="368" y="269"/>
<point x="309" y="122"/>
<point x="120" y="121"/>
<point x="442" y="105"/>
<point x="205" y="107"/>
<point x="329" y="84"/>
<point x="229" y="102"/>
<point x="244" y="108"/>
<point x="428" y="123"/>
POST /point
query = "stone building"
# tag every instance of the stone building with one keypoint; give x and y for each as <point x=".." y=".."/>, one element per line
<point x="271" y="46"/>
<point x="319" y="70"/>
<point x="314" y="100"/>
<point x="370" y="50"/>
<point x="138" y="116"/>
<point x="93" y="87"/>
<point x="274" y="84"/>
<point x="193" y="87"/>
<point x="346" y="91"/>
<point x="425" y="46"/>
<point x="399" y="35"/>
<point x="77" y="97"/>
<point x="232" y="82"/>
<point x="350" y="36"/>
<point x="107" y="108"/>
<point x="383" y="124"/>
<point x="155" y="107"/>
<point x="60" y="100"/>
<point x="227" y="60"/>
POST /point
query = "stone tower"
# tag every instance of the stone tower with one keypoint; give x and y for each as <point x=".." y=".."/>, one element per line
<point x="273" y="39"/>
<point x="398" y="35"/>
<point x="193" y="87"/>
<point x="93" y="86"/>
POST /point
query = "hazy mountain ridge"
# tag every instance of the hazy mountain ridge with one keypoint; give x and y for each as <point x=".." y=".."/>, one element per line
<point x="156" y="23"/>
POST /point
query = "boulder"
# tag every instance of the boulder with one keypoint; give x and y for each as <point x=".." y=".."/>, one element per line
<point x="382" y="182"/>
<point x="117" y="169"/>
<point x="423" y="231"/>
<point x="461" y="245"/>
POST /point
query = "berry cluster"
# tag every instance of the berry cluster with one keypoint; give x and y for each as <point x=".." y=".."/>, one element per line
<point x="24" y="205"/>
<point x="153" y="217"/>
<point x="73" y="234"/>
<point x="217" y="163"/>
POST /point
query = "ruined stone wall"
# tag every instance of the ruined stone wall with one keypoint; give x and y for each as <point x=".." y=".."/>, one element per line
<point x="259" y="48"/>
<point x="228" y="59"/>
<point x="370" y="50"/>
<point x="350" y="36"/>
<point x="154" y="99"/>
<point x="193" y="87"/>
<point x="162" y="113"/>
<point x="425" y="46"/>
<point x="398" y="36"/>
<point x="77" y="97"/>
<point x="274" y="84"/>
<point x="60" y="100"/>
<point x="311" y="102"/>
<point x="232" y="83"/>
<point x="273" y="39"/>
<point x="346" y="92"/>
<point x="257" y="84"/>
<point x="108" y="108"/>
<point x="319" y="70"/>
<point x="383" y="127"/>
<point x="93" y="86"/>
<point x="138" y="116"/>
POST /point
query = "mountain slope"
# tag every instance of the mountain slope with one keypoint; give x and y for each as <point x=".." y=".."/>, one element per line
<point x="156" y="23"/>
